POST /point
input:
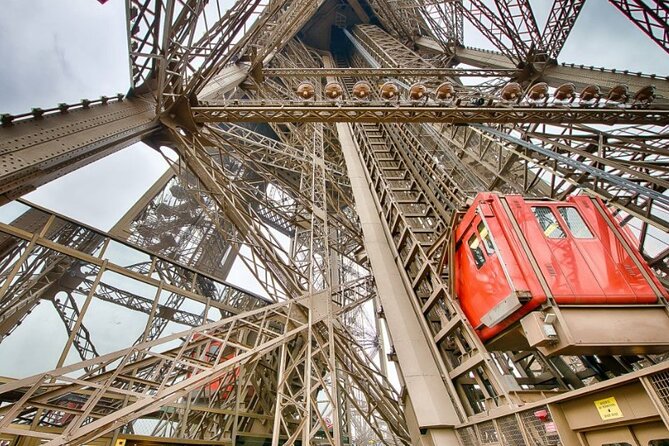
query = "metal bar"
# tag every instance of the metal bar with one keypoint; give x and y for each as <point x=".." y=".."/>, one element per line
<point x="652" y="20"/>
<point x="390" y="72"/>
<point x="329" y="112"/>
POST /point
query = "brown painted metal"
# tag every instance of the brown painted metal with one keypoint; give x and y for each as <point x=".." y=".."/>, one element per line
<point x="306" y="211"/>
<point x="373" y="113"/>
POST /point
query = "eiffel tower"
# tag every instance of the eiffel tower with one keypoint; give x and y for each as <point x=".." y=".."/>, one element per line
<point x="330" y="147"/>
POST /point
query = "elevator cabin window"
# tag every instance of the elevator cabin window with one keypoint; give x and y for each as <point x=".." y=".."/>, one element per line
<point x="477" y="252"/>
<point x="485" y="236"/>
<point x="548" y="222"/>
<point x="575" y="222"/>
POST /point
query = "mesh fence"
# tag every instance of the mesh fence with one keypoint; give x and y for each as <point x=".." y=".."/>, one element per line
<point x="535" y="426"/>
<point x="510" y="431"/>
<point x="468" y="436"/>
<point x="536" y="423"/>
<point x="488" y="433"/>
<point x="661" y="383"/>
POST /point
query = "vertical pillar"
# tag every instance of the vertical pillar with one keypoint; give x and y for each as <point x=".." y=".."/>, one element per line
<point x="434" y="411"/>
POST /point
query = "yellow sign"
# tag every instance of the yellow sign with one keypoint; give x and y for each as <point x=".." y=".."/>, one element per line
<point x="608" y="409"/>
<point x="120" y="442"/>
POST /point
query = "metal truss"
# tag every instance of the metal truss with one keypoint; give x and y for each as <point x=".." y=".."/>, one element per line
<point x="278" y="163"/>
<point x="428" y="73"/>
<point x="561" y="20"/>
<point x="387" y="50"/>
<point x="154" y="374"/>
<point x="445" y="23"/>
<point x="32" y="143"/>
<point x="493" y="27"/>
<point x="518" y="16"/>
<point x="158" y="377"/>
<point x="651" y="17"/>
<point x="341" y="210"/>
<point x="399" y="17"/>
<point x="380" y="112"/>
<point x="54" y="256"/>
<point x="511" y="26"/>
<point x="168" y="221"/>
<point x="173" y="42"/>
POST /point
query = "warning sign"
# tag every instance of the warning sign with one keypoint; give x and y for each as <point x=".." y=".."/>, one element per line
<point x="608" y="409"/>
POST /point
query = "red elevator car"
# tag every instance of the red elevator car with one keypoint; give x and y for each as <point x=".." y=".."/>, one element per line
<point x="208" y="353"/>
<point x="514" y="256"/>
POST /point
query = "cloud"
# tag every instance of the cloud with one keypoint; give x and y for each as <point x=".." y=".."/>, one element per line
<point x="60" y="51"/>
<point x="64" y="64"/>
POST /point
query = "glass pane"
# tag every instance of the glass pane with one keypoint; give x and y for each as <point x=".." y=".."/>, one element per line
<point x="575" y="223"/>
<point x="548" y="222"/>
<point x="485" y="236"/>
<point x="477" y="252"/>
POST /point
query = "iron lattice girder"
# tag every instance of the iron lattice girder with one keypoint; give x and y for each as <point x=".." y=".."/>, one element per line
<point x="287" y="21"/>
<point x="177" y="47"/>
<point x="233" y="300"/>
<point x="390" y="14"/>
<point x="152" y="379"/>
<point x="38" y="147"/>
<point x="493" y="28"/>
<point x="560" y="22"/>
<point x="519" y="18"/>
<point x="227" y="196"/>
<point x="175" y="64"/>
<point x="652" y="19"/>
<point x="378" y="112"/>
<point x="431" y="73"/>
<point x="168" y="39"/>
<point x="444" y="21"/>
<point x="230" y="145"/>
<point x="580" y="75"/>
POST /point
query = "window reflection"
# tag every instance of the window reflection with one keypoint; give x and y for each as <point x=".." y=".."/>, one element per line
<point x="548" y="222"/>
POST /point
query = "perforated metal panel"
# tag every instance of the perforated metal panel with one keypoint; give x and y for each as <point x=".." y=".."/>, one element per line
<point x="468" y="436"/>
<point x="488" y="433"/>
<point x="509" y="431"/>
<point x="535" y="428"/>
<point x="661" y="383"/>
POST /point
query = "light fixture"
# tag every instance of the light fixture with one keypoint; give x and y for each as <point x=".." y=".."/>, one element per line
<point x="389" y="91"/>
<point x="306" y="90"/>
<point x="361" y="90"/>
<point x="333" y="90"/>
<point x="511" y="92"/>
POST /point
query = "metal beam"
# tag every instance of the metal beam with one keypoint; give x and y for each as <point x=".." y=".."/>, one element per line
<point x="41" y="146"/>
<point x="652" y="19"/>
<point x="433" y="406"/>
<point x="432" y="73"/>
<point x="378" y="112"/>
<point x="580" y="75"/>
<point x="561" y="21"/>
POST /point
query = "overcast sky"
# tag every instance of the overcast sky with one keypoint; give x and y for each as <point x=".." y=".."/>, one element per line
<point x="602" y="37"/>
<point x="64" y="50"/>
